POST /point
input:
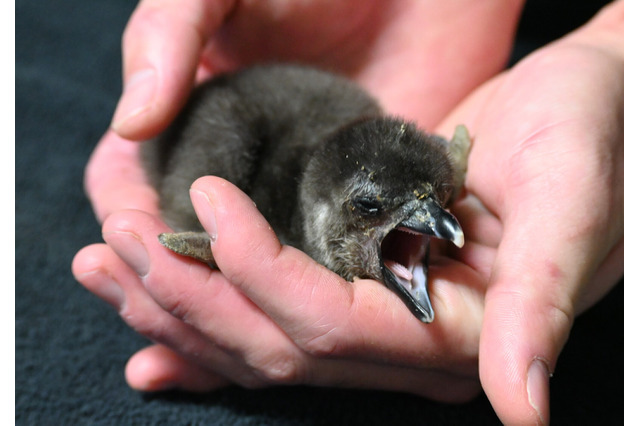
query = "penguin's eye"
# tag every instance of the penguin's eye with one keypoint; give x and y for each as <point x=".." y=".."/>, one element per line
<point x="367" y="206"/>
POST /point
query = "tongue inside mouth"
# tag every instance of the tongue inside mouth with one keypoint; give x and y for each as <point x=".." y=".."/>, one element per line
<point x="404" y="275"/>
<point x="402" y="251"/>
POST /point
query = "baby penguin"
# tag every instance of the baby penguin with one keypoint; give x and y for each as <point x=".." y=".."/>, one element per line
<point x="358" y="191"/>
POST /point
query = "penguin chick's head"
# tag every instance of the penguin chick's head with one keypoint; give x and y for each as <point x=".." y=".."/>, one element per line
<point x="372" y="197"/>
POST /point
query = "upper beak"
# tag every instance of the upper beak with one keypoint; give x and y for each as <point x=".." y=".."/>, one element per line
<point x="431" y="219"/>
<point x="428" y="218"/>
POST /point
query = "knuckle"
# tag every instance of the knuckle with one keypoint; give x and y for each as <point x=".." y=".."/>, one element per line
<point x="156" y="328"/>
<point x="324" y="345"/>
<point x="250" y="380"/>
<point x="180" y="309"/>
<point x="561" y="312"/>
<point x="279" y="367"/>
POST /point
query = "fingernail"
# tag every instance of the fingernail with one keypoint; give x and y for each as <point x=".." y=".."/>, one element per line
<point x="538" y="389"/>
<point x="137" y="97"/>
<point x="204" y="207"/>
<point x="131" y="249"/>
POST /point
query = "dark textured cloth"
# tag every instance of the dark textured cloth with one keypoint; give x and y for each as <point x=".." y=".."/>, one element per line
<point x="71" y="348"/>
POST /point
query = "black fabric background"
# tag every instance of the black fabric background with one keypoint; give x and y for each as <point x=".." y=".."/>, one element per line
<point x="71" y="348"/>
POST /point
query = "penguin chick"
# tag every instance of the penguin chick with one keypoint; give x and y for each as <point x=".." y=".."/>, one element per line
<point x="358" y="191"/>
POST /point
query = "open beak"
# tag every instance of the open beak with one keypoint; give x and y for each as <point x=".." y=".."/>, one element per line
<point x="406" y="272"/>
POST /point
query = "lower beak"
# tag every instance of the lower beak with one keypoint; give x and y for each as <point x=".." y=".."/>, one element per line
<point x="412" y="292"/>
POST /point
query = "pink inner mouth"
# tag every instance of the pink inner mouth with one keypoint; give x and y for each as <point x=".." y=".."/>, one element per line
<point x="402" y="251"/>
<point x="398" y="270"/>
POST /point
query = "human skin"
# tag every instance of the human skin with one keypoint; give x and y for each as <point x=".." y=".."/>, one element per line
<point x="542" y="219"/>
<point x="556" y="187"/>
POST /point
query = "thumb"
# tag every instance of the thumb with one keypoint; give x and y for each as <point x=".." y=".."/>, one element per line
<point x="161" y="45"/>
<point x="538" y="275"/>
<point x="526" y="325"/>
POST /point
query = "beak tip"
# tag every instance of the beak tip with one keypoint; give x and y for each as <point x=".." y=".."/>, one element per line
<point x="427" y="319"/>
<point x="458" y="239"/>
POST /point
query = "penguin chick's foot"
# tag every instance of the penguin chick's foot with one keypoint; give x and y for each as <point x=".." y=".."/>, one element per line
<point x="192" y="244"/>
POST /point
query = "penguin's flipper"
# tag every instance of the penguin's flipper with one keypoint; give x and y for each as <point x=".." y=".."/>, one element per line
<point x="459" y="148"/>
<point x="193" y="244"/>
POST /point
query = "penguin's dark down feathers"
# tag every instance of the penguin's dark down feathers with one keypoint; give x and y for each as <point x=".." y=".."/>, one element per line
<point x="358" y="191"/>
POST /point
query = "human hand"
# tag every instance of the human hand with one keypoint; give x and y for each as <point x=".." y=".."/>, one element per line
<point x="273" y="316"/>
<point x="547" y="162"/>
<point x="379" y="58"/>
<point x="418" y="58"/>
<point x="480" y="255"/>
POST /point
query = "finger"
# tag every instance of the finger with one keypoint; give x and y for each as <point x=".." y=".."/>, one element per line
<point x="161" y="45"/>
<point x="88" y="267"/>
<point x="104" y="274"/>
<point x="520" y="342"/>
<point x="114" y="178"/>
<point x="158" y="368"/>
<point x="479" y="224"/>
<point x="190" y="292"/>
<point x="193" y="293"/>
<point x="482" y="234"/>
<point x="322" y="313"/>
<point x="549" y="251"/>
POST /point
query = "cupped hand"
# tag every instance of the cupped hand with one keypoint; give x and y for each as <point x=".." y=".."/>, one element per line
<point x="545" y="243"/>
<point x="547" y="161"/>
<point x="413" y="58"/>
<point x="271" y="315"/>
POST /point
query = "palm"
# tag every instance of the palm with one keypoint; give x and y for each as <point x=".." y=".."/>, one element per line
<point x="543" y="152"/>
<point x="547" y="166"/>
